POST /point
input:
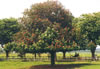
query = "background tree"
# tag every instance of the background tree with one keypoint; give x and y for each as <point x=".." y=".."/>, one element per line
<point x="78" y="37"/>
<point x="8" y="27"/>
<point x="89" y="27"/>
<point x="10" y="46"/>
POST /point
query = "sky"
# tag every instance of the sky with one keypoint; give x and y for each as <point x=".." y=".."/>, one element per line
<point x="15" y="8"/>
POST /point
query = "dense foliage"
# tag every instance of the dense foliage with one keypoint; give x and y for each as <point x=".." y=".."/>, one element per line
<point x="89" y="26"/>
<point x="8" y="27"/>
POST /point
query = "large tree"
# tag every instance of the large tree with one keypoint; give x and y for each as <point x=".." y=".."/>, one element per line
<point x="8" y="27"/>
<point x="50" y="13"/>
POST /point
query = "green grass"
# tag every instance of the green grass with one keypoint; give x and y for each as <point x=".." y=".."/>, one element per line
<point x="28" y="65"/>
<point x="18" y="64"/>
<point x="92" y="65"/>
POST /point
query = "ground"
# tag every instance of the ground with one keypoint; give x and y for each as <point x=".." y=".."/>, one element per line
<point x="46" y="65"/>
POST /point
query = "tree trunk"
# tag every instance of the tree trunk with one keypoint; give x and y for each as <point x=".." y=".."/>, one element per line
<point x="52" y="58"/>
<point x="35" y="55"/>
<point x="24" y="55"/>
<point x="39" y="55"/>
<point x="7" y="54"/>
<point x="55" y="56"/>
<point x="49" y="56"/>
<point x="93" y="54"/>
<point x="64" y="54"/>
<point x="21" y="55"/>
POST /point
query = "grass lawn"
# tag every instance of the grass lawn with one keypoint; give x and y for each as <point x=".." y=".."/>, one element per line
<point x="19" y="64"/>
<point x="46" y="65"/>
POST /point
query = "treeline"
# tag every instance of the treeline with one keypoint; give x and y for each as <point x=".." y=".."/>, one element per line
<point x="49" y="27"/>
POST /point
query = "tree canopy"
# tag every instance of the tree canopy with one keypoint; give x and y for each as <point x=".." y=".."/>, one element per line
<point x="8" y="27"/>
<point x="89" y="25"/>
<point x="51" y="10"/>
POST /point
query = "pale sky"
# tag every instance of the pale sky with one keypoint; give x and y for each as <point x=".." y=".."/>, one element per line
<point x="14" y="8"/>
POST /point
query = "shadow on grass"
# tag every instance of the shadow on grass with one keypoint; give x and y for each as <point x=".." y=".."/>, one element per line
<point x="59" y="66"/>
<point x="1" y="59"/>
